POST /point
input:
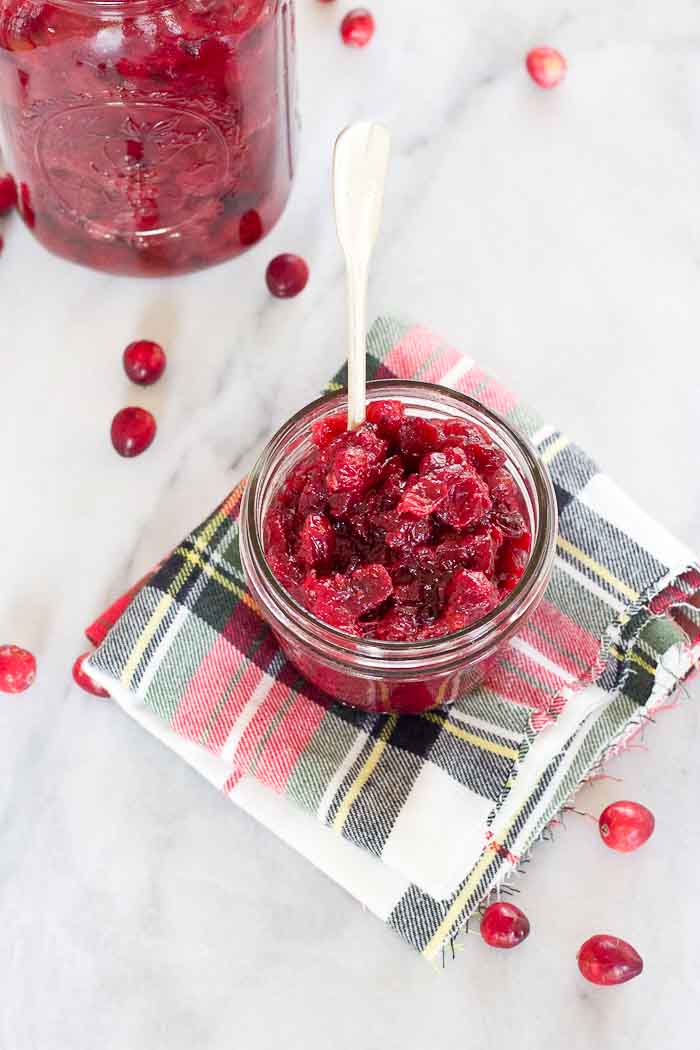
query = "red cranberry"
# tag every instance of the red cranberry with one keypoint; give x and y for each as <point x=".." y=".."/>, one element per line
<point x="144" y="362"/>
<point x="24" y="203"/>
<point x="287" y="275"/>
<point x="2" y="245"/>
<point x="328" y="429"/>
<point x="8" y="193"/>
<point x="316" y="541"/>
<point x="504" y="925"/>
<point x="546" y="66"/>
<point x="424" y="497"/>
<point x="625" y="826"/>
<point x="607" y="960"/>
<point x="83" y="679"/>
<point x="387" y="415"/>
<point x="17" y="669"/>
<point x="250" y="228"/>
<point x="357" y="28"/>
<point x="133" y="430"/>
<point x="371" y="585"/>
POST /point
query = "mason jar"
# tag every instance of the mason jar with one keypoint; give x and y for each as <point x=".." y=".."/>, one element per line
<point x="149" y="136"/>
<point x="402" y="677"/>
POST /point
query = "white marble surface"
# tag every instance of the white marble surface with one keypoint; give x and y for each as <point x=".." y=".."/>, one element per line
<point x="556" y="236"/>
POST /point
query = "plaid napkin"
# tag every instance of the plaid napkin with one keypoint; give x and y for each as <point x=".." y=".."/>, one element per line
<point x="420" y="818"/>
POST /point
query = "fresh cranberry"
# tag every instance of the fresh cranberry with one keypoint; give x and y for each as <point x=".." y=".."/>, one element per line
<point x="144" y="362"/>
<point x="133" y="430"/>
<point x="83" y="679"/>
<point x="546" y="66"/>
<point x="504" y="925"/>
<point x="2" y="244"/>
<point x="8" y="193"/>
<point x="17" y="669"/>
<point x="357" y="28"/>
<point x="625" y="826"/>
<point x="287" y="275"/>
<point x="607" y="960"/>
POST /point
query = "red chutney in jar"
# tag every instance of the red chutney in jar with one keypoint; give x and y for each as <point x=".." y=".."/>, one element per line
<point x="149" y="136"/>
<point x="407" y="529"/>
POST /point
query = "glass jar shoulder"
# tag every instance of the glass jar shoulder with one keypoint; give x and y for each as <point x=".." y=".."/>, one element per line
<point x="124" y="25"/>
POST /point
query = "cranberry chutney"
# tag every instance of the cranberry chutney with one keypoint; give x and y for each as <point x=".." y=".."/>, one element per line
<point x="407" y="528"/>
<point x="394" y="563"/>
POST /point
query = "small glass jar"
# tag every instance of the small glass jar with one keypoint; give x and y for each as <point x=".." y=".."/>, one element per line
<point x="149" y="136"/>
<point x="402" y="677"/>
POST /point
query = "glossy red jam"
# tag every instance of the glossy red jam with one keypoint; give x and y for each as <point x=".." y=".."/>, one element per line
<point x="405" y="530"/>
<point x="149" y="136"/>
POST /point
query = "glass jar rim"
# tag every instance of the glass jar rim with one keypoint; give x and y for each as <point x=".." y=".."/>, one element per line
<point x="474" y="640"/>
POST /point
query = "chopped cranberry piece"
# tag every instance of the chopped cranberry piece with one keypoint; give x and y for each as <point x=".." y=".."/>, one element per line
<point x="316" y="541"/>
<point x="455" y="455"/>
<point x="546" y="66"/>
<point x="417" y="436"/>
<point x="432" y="461"/>
<point x="400" y="624"/>
<point x="133" y="430"/>
<point x="371" y="585"/>
<point x="83" y="679"/>
<point x="467" y="502"/>
<point x="287" y="276"/>
<point x="387" y="415"/>
<point x="625" y="826"/>
<point x="511" y="560"/>
<point x="485" y="457"/>
<point x="357" y="28"/>
<point x="144" y="362"/>
<point x="424" y="497"/>
<point x="504" y="925"/>
<point x="328" y="429"/>
<point x="17" y="669"/>
<point x="330" y="599"/>
<point x="405" y="536"/>
<point x="350" y="471"/>
<point x="607" y="960"/>
<point x="471" y="593"/>
<point x="8" y="193"/>
<point x="511" y="523"/>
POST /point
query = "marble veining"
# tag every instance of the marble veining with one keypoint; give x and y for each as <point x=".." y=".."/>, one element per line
<point x="553" y="236"/>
